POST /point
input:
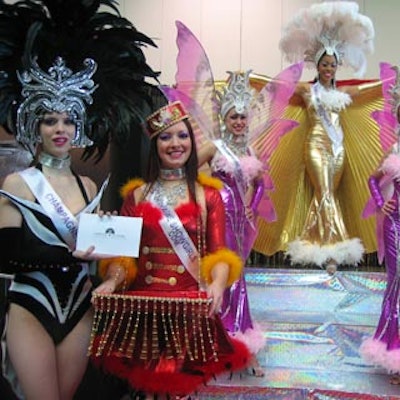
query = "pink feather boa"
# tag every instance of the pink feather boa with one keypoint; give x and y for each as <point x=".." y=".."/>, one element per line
<point x="251" y="166"/>
<point x="377" y="353"/>
<point x="391" y="166"/>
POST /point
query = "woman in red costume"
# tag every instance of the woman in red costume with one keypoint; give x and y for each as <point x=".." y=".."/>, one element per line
<point x="168" y="339"/>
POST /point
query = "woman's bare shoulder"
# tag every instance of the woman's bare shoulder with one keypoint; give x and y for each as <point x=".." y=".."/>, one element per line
<point x="15" y="185"/>
<point x="89" y="185"/>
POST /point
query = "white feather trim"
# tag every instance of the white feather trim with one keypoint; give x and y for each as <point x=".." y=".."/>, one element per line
<point x="334" y="99"/>
<point x="349" y="252"/>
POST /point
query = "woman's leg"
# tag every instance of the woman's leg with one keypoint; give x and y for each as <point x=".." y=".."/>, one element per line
<point x="32" y="353"/>
<point x="45" y="371"/>
<point x="72" y="358"/>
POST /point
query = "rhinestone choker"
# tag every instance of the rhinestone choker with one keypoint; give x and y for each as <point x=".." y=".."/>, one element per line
<point x="53" y="162"/>
<point x="238" y="144"/>
<point x="172" y="174"/>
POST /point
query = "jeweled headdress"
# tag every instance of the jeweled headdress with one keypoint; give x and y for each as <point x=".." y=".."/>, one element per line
<point x="59" y="91"/>
<point x="237" y="94"/>
<point x="76" y="30"/>
<point x="165" y="117"/>
<point x="333" y="27"/>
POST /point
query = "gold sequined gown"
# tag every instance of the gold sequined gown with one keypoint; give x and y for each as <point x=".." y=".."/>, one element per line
<point x="324" y="222"/>
<point x="319" y="196"/>
<point x="324" y="237"/>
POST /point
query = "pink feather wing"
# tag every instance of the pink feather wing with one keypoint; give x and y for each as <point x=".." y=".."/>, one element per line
<point x="195" y="79"/>
<point x="267" y="125"/>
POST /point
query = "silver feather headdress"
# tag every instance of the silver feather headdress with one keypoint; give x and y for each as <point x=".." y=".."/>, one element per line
<point x="237" y="94"/>
<point x="335" y="28"/>
<point x="59" y="90"/>
<point x="76" y="30"/>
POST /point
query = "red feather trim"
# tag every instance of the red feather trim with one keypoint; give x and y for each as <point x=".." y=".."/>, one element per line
<point x="153" y="214"/>
<point x="235" y="361"/>
<point x="174" y="382"/>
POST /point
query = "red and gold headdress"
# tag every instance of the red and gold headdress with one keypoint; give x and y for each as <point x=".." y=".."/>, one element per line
<point x="165" y="117"/>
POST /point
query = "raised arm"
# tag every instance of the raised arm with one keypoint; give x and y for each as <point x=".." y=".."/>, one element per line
<point x="206" y="152"/>
<point x="356" y="90"/>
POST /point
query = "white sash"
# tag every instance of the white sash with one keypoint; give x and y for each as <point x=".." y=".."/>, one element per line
<point x="64" y="221"/>
<point x="237" y="171"/>
<point x="335" y="134"/>
<point x="178" y="237"/>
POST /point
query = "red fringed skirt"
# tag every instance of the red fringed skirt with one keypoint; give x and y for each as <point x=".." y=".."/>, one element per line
<point x="161" y="342"/>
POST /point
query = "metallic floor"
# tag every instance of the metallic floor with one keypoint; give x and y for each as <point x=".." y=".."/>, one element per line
<point x="314" y="324"/>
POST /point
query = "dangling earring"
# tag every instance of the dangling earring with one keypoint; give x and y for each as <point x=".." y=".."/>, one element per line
<point x="246" y="135"/>
<point x="223" y="130"/>
<point x="80" y="139"/>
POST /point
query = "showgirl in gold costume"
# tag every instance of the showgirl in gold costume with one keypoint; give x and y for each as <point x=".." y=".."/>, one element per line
<point x="323" y="191"/>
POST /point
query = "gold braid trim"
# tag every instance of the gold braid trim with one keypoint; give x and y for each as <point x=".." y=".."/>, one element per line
<point x="127" y="263"/>
<point x="223" y="255"/>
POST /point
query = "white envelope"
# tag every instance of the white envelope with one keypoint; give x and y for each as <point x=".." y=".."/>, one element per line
<point x="110" y="235"/>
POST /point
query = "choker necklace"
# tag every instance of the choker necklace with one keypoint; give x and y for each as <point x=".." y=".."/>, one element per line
<point x="238" y="144"/>
<point x="53" y="162"/>
<point x="172" y="174"/>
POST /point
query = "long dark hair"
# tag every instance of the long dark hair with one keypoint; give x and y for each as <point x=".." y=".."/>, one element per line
<point x="154" y="163"/>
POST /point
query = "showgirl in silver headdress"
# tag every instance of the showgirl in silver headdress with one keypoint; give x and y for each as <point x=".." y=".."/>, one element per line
<point x="236" y="164"/>
<point x="39" y="213"/>
<point x="383" y="348"/>
<point x="50" y="103"/>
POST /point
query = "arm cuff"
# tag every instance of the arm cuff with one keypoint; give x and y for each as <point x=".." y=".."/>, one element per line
<point x="128" y="263"/>
<point x="223" y="255"/>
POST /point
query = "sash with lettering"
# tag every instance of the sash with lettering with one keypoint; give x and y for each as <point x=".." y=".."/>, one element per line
<point x="51" y="206"/>
<point x="237" y="172"/>
<point x="335" y="134"/>
<point x="178" y="237"/>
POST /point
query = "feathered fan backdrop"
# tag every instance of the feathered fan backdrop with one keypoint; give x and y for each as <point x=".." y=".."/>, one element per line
<point x="75" y="30"/>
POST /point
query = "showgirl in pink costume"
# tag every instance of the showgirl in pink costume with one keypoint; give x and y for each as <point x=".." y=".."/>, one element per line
<point x="236" y="164"/>
<point x="239" y="131"/>
<point x="383" y="348"/>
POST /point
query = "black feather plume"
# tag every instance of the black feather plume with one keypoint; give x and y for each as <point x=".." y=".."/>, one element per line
<point x="75" y="30"/>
